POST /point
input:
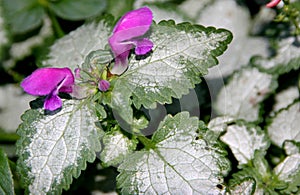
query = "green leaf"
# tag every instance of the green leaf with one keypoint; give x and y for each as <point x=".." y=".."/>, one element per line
<point x="182" y="53"/>
<point x="244" y="140"/>
<point x="71" y="50"/>
<point x="286" y="59"/>
<point x="179" y="162"/>
<point x="116" y="147"/>
<point x="142" y="3"/>
<point x="117" y="8"/>
<point x="77" y="10"/>
<point x="285" y="125"/>
<point x="289" y="170"/>
<point x="23" y="15"/>
<point x="54" y="148"/>
<point x="6" y="180"/>
<point x="241" y="97"/>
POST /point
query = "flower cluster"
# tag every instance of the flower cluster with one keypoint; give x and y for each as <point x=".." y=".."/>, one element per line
<point x="127" y="34"/>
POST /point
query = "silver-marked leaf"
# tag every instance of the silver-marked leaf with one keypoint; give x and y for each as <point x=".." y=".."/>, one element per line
<point x="244" y="140"/>
<point x="285" y="125"/>
<point x="179" y="163"/>
<point x="285" y="98"/>
<point x="182" y="53"/>
<point x="116" y="147"/>
<point x="193" y="7"/>
<point x="54" y="148"/>
<point x="4" y="38"/>
<point x="20" y="50"/>
<point x="291" y="147"/>
<point x="242" y="95"/>
<point x="6" y="180"/>
<point x="243" y="45"/>
<point x="246" y="187"/>
<point x="287" y="57"/>
<point x="219" y="124"/>
<point x="71" y="50"/>
<point x="289" y="170"/>
<point x="15" y="102"/>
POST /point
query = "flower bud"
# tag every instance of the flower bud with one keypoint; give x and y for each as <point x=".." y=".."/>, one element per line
<point x="103" y="85"/>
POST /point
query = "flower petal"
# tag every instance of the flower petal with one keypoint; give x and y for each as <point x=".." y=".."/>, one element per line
<point x="66" y="89"/>
<point x="143" y="46"/>
<point x="44" y="80"/>
<point x="132" y="25"/>
<point x="52" y="102"/>
<point x="121" y="64"/>
<point x="273" y="3"/>
<point x="136" y="18"/>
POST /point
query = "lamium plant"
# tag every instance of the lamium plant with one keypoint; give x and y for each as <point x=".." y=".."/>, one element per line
<point x="108" y="95"/>
<point x="167" y="60"/>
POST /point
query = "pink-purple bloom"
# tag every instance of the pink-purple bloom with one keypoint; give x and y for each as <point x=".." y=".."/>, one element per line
<point x="273" y="3"/>
<point x="49" y="82"/>
<point x="127" y="34"/>
<point x="103" y="85"/>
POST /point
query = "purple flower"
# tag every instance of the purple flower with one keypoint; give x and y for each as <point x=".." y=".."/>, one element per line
<point x="103" y="85"/>
<point x="49" y="82"/>
<point x="127" y="34"/>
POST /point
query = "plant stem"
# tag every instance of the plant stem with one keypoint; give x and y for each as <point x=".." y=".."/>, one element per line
<point x="12" y="165"/>
<point x="8" y="137"/>
<point x="55" y="24"/>
<point x="146" y="142"/>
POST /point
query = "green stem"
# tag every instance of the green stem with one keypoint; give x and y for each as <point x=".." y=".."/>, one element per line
<point x="146" y="142"/>
<point x="12" y="165"/>
<point x="55" y="24"/>
<point x="8" y="137"/>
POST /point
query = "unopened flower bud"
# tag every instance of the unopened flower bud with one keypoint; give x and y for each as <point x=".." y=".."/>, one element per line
<point x="77" y="73"/>
<point x="103" y="85"/>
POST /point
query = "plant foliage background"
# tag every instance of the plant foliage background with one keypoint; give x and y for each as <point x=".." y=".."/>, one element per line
<point x="217" y="98"/>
